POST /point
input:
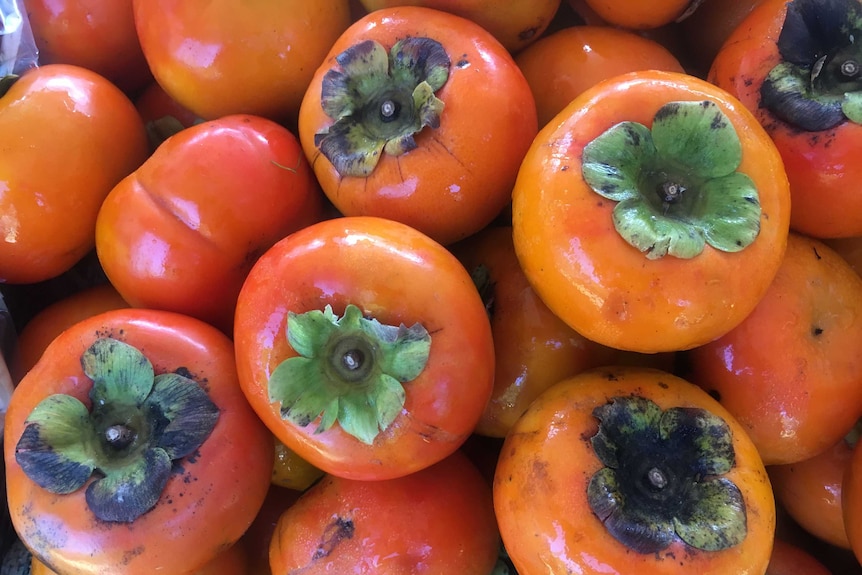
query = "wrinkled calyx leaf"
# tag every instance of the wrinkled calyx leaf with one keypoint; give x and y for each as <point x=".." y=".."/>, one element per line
<point x="818" y="83"/>
<point x="379" y="100"/>
<point x="139" y="425"/>
<point x="676" y="185"/>
<point x="662" y="479"/>
<point x="350" y="369"/>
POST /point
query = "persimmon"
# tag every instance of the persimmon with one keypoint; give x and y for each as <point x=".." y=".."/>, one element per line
<point x="364" y="346"/>
<point x="632" y="470"/>
<point x="653" y="213"/>
<point x="129" y="447"/>
<point x="71" y="136"/>
<point x="437" y="520"/>
<point x="561" y="65"/>
<point x="810" y="490"/>
<point x="795" y="65"/>
<point x="419" y="116"/>
<point x="791" y="371"/>
<point x="181" y="232"/>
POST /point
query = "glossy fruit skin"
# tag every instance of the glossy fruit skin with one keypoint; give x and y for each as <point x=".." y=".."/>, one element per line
<point x="820" y="164"/>
<point x="460" y="176"/>
<point x="515" y="24"/>
<point x="396" y="275"/>
<point x="534" y="349"/>
<point x="810" y="492"/>
<point x="96" y="35"/>
<point x="53" y="319"/>
<point x="546" y="463"/>
<point x="204" y="508"/>
<point x="437" y="520"/>
<point x="780" y="371"/>
<point x="590" y="276"/>
<point x="851" y="502"/>
<point x="637" y="15"/>
<point x="561" y="65"/>
<point x="183" y="230"/>
<point x="231" y="561"/>
<point x="72" y="135"/>
<point x="229" y="57"/>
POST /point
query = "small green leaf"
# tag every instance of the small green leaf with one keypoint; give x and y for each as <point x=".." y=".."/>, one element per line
<point x="641" y="532"/>
<point x="363" y="65"/>
<point x="717" y="520"/>
<point x="656" y="236"/>
<point x="388" y="401"/>
<point x="735" y="204"/>
<point x="55" y="450"/>
<point x="290" y="378"/>
<point x="417" y="60"/>
<point x="129" y="491"/>
<point x="697" y="136"/>
<point x="350" y="370"/>
<point x="184" y="412"/>
<point x="707" y="436"/>
<point x="612" y="163"/>
<point x="309" y="332"/>
<point x="852" y="106"/>
<point x="404" y="350"/>
<point x="121" y="374"/>
<point x="358" y="417"/>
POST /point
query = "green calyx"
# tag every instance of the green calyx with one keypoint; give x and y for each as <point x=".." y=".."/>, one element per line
<point x="350" y="369"/>
<point x="676" y="184"/>
<point x="139" y="425"/>
<point x="662" y="479"/>
<point x="379" y="100"/>
<point x="818" y="84"/>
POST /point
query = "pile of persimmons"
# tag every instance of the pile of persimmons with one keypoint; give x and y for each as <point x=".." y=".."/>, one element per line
<point x="424" y="287"/>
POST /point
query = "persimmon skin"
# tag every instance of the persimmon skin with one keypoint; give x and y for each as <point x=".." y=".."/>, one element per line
<point x="637" y="15"/>
<point x="822" y="167"/>
<point x="52" y="320"/>
<point x="810" y="492"/>
<point x="437" y="520"/>
<point x="545" y="465"/>
<point x="516" y="24"/>
<point x="221" y="58"/>
<point x="72" y="135"/>
<point x="560" y="66"/>
<point x="534" y="349"/>
<point x="181" y="232"/>
<point x="791" y="372"/>
<point x="460" y="175"/>
<point x="93" y="34"/>
<point x="590" y="276"/>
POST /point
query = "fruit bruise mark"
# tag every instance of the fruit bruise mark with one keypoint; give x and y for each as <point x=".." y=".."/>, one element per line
<point x="339" y="530"/>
